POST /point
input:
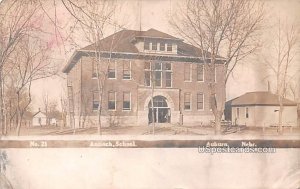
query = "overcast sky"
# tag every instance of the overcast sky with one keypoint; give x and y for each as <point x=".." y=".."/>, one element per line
<point x="248" y="76"/>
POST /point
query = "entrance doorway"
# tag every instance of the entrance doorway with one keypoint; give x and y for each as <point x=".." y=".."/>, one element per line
<point x="161" y="111"/>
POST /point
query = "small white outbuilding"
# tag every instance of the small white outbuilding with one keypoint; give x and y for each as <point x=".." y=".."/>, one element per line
<point x="39" y="119"/>
<point x="261" y="109"/>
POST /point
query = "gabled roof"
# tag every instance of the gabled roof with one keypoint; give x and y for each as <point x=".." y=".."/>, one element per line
<point x="124" y="42"/>
<point x="38" y="113"/>
<point x="263" y="98"/>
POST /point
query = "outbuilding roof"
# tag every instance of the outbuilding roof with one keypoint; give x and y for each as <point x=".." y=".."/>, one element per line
<point x="263" y="98"/>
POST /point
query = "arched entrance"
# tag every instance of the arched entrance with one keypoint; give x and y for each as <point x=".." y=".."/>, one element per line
<point x="161" y="110"/>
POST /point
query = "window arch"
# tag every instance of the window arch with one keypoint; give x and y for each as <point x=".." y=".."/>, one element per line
<point x="158" y="102"/>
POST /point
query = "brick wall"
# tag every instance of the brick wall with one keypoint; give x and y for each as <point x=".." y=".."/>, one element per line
<point x="84" y="85"/>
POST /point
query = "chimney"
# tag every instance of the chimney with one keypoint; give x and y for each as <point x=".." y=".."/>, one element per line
<point x="269" y="88"/>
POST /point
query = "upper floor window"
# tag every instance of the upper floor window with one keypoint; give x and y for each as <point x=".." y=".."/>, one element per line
<point x="162" y="46"/>
<point x="147" y="45"/>
<point x="157" y="74"/>
<point x="111" y="100"/>
<point x="200" y="101"/>
<point x="94" y="68"/>
<point x="215" y="74"/>
<point x="126" y="70"/>
<point x="168" y="74"/>
<point x="112" y="70"/>
<point x="95" y="100"/>
<point x="187" y="101"/>
<point x="169" y="47"/>
<point x="200" y="72"/>
<point x="187" y="72"/>
<point x="154" y="46"/>
<point x="126" y="101"/>
<point x="147" y="68"/>
<point x="168" y="66"/>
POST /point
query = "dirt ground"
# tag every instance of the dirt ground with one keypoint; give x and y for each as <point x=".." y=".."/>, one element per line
<point x="158" y="130"/>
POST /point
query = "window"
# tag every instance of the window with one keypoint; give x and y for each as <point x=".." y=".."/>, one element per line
<point x="157" y="66"/>
<point x="112" y="100"/>
<point x="187" y="72"/>
<point x="95" y="100"/>
<point x="147" y="45"/>
<point x="126" y="70"/>
<point x="200" y="72"/>
<point x="169" y="47"/>
<point x="200" y="99"/>
<point x="126" y="100"/>
<point x="94" y="67"/>
<point x="168" y="74"/>
<point x="154" y="46"/>
<point x="247" y="112"/>
<point x="211" y="100"/>
<point x="237" y="112"/>
<point x="158" y="102"/>
<point x="157" y="74"/>
<point x="147" y="66"/>
<point x="162" y="46"/>
<point x="147" y="79"/>
<point x="168" y="79"/>
<point x="157" y="78"/>
<point x="214" y="75"/>
<point x="187" y="101"/>
<point x="112" y="70"/>
<point x="168" y="66"/>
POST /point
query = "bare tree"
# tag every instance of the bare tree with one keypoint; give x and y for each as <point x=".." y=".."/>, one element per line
<point x="17" y="20"/>
<point x="63" y="106"/>
<point x="220" y="27"/>
<point x="280" y="58"/>
<point x="45" y="100"/>
<point x="32" y="63"/>
<point x="93" y="18"/>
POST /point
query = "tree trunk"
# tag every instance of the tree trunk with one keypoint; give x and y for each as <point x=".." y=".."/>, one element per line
<point x="19" y="127"/>
<point x="280" y="126"/>
<point x="218" y="119"/>
<point x="1" y="103"/>
<point x="152" y="111"/>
